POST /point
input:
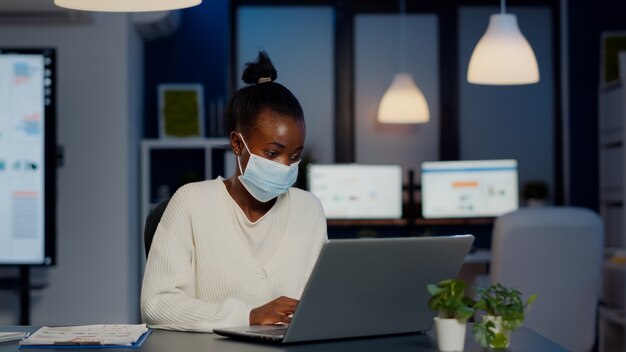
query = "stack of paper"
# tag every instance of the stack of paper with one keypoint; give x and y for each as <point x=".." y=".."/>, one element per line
<point x="108" y="334"/>
<point x="12" y="336"/>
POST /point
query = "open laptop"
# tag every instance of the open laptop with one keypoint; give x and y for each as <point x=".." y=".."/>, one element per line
<point x="367" y="287"/>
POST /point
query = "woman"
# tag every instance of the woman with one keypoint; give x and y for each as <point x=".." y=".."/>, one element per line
<point x="238" y="251"/>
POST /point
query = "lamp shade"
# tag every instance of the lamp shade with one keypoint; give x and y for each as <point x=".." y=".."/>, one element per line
<point x="503" y="56"/>
<point x="126" y="5"/>
<point x="403" y="102"/>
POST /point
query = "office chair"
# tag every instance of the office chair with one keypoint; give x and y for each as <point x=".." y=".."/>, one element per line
<point x="152" y="222"/>
<point x="555" y="252"/>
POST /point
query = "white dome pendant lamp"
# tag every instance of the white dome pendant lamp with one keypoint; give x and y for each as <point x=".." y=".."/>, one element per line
<point x="126" y="5"/>
<point x="403" y="102"/>
<point x="503" y="56"/>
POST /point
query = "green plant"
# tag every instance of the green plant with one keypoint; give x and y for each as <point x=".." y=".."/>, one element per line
<point x="448" y="298"/>
<point x="507" y="306"/>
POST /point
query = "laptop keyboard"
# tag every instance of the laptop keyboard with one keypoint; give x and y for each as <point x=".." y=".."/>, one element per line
<point x="273" y="332"/>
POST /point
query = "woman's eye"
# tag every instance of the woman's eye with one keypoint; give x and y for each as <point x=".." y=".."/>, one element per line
<point x="296" y="157"/>
<point x="271" y="155"/>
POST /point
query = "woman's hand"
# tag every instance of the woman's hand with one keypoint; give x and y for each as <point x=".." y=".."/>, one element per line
<point x="276" y="311"/>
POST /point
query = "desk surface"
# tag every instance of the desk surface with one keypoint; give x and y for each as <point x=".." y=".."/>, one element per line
<point x="169" y="341"/>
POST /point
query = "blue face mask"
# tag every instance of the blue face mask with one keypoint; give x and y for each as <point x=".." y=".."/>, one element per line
<point x="265" y="179"/>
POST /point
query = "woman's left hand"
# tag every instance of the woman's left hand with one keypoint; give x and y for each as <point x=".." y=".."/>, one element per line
<point x="274" y="312"/>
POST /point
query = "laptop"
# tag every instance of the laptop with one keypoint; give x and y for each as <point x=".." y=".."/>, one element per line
<point x="367" y="287"/>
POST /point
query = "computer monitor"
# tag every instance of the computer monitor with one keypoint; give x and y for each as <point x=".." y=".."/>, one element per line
<point x="27" y="156"/>
<point x="469" y="188"/>
<point x="357" y="191"/>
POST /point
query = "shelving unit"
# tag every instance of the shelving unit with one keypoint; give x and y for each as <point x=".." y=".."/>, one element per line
<point x="612" y="118"/>
<point x="167" y="164"/>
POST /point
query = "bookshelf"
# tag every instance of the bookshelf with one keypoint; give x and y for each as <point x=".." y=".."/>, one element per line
<point x="612" y="117"/>
<point x="167" y="164"/>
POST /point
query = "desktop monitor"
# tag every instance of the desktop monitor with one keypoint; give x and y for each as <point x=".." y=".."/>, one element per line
<point x="472" y="188"/>
<point x="357" y="191"/>
<point x="27" y="156"/>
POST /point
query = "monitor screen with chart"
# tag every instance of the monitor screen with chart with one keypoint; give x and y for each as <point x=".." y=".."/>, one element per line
<point x="357" y="191"/>
<point x="468" y="188"/>
<point x="27" y="156"/>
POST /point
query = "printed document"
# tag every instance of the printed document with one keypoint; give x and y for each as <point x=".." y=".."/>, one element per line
<point x="103" y="334"/>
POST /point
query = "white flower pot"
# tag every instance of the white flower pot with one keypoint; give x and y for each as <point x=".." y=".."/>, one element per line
<point x="497" y="322"/>
<point x="450" y="334"/>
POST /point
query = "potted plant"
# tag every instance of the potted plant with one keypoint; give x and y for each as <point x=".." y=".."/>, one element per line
<point x="454" y="308"/>
<point x="504" y="311"/>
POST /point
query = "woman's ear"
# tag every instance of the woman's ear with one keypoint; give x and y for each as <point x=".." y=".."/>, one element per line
<point x="236" y="143"/>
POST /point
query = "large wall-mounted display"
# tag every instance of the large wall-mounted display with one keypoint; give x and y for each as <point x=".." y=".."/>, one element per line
<point x="27" y="156"/>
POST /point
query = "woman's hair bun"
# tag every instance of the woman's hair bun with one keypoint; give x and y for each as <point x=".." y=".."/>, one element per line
<point x="261" y="68"/>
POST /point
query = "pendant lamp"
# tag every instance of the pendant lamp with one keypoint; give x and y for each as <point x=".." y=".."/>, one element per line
<point x="126" y="5"/>
<point x="403" y="101"/>
<point x="503" y="56"/>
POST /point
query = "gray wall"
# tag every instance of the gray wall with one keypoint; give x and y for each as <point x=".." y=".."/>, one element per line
<point x="509" y="122"/>
<point x="99" y="70"/>
<point x="495" y="122"/>
<point x="299" y="40"/>
<point x="379" y="54"/>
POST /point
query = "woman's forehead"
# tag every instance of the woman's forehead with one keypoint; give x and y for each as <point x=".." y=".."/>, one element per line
<point x="291" y="139"/>
<point x="270" y="124"/>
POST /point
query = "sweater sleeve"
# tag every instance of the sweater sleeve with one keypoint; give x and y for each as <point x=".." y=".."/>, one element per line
<point x="168" y="290"/>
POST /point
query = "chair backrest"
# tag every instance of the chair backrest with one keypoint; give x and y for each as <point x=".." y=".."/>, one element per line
<point x="152" y="222"/>
<point x="555" y="252"/>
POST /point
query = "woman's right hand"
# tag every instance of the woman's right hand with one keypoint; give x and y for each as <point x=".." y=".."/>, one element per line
<point x="279" y="310"/>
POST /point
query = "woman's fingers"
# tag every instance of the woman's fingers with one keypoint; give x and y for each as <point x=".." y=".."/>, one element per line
<point x="278" y="310"/>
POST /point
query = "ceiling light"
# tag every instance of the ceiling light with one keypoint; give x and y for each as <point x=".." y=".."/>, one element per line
<point x="126" y="5"/>
<point x="403" y="101"/>
<point x="503" y="56"/>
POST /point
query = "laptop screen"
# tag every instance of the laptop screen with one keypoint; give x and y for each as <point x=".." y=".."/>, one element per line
<point x="463" y="189"/>
<point x="357" y="191"/>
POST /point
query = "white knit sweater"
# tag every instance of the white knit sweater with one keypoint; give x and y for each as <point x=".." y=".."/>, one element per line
<point x="200" y="275"/>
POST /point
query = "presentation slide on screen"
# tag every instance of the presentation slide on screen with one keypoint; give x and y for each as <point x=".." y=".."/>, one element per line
<point x="358" y="191"/>
<point x="21" y="158"/>
<point x="469" y="188"/>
